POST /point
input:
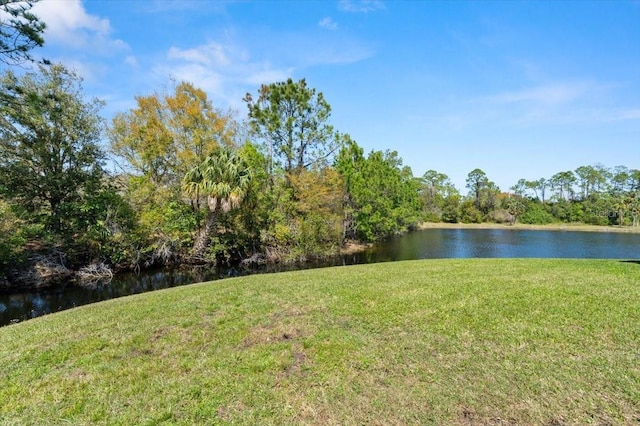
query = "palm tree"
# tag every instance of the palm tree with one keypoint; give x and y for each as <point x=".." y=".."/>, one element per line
<point x="223" y="179"/>
<point x="621" y="205"/>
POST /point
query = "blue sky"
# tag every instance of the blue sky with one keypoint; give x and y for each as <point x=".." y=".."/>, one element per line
<point x="518" y="89"/>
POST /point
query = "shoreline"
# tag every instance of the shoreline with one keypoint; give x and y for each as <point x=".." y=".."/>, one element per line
<point x="30" y="282"/>
<point x="550" y="227"/>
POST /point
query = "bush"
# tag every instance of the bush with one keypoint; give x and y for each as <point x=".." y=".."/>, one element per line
<point x="12" y="240"/>
<point x="500" y="216"/>
<point x="596" y="219"/>
<point x="451" y="213"/>
<point x="432" y="216"/>
<point x="536" y="214"/>
<point x="469" y="213"/>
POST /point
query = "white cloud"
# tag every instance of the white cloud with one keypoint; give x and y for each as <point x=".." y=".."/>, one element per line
<point x="328" y="23"/>
<point x="70" y="25"/>
<point x="209" y="54"/>
<point x="626" y="114"/>
<point x="172" y="6"/>
<point x="265" y="73"/>
<point x="230" y="66"/>
<point x="232" y="62"/>
<point x="334" y="54"/>
<point x="602" y="115"/>
<point x="309" y="50"/>
<point x="226" y="72"/>
<point x="131" y="61"/>
<point x="551" y="94"/>
<point x="203" y="77"/>
<point x="559" y="103"/>
<point x="360" y="6"/>
<point x="89" y="73"/>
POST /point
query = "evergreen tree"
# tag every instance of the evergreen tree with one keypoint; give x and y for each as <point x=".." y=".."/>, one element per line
<point x="49" y="154"/>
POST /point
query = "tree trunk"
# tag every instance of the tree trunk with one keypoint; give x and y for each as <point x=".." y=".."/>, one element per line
<point x="203" y="237"/>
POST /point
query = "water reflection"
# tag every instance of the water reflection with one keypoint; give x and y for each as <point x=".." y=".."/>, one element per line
<point x="427" y="244"/>
<point x="487" y="243"/>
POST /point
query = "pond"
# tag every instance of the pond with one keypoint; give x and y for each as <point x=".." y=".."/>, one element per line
<point x="425" y="244"/>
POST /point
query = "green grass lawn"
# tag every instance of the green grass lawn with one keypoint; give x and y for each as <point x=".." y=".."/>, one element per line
<point x="456" y="341"/>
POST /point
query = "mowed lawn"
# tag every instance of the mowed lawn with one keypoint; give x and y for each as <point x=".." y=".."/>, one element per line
<point x="455" y="341"/>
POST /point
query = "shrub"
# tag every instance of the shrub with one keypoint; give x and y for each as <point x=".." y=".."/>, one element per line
<point x="469" y="213"/>
<point x="500" y="216"/>
<point x="536" y="214"/>
<point x="451" y="213"/>
<point x="432" y="216"/>
<point x="12" y="240"/>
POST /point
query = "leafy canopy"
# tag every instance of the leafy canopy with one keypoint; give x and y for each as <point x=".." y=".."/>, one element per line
<point x="167" y="135"/>
<point x="20" y="31"/>
<point x="49" y="153"/>
<point x="292" y="119"/>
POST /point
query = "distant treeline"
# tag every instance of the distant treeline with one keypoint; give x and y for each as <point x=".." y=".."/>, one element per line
<point x="194" y="184"/>
<point x="594" y="195"/>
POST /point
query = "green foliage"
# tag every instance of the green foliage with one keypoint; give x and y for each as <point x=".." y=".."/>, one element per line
<point x="307" y="215"/>
<point x="596" y="209"/>
<point x="293" y="122"/>
<point x="20" y="31"/>
<point x="165" y="136"/>
<point x="567" y="211"/>
<point x="477" y="181"/>
<point x="196" y="191"/>
<point x="469" y="213"/>
<point x="591" y="179"/>
<point x="302" y="197"/>
<point x="433" y="217"/>
<point x="162" y="140"/>
<point x="258" y="204"/>
<point x="562" y="183"/>
<point x="592" y="195"/>
<point x="500" y="216"/>
<point x="107" y="229"/>
<point x="49" y="139"/>
<point x="163" y="224"/>
<point x="520" y="187"/>
<point x="536" y="214"/>
<point x="483" y="191"/>
<point x="440" y="197"/>
<point x="382" y="197"/>
<point x="318" y="207"/>
<point x="451" y="210"/>
<point x="633" y="200"/>
<point x="220" y="183"/>
<point x="13" y="239"/>
<point x="515" y="206"/>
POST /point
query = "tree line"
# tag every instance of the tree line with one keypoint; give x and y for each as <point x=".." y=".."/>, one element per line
<point x="592" y="194"/>
<point x="176" y="180"/>
<point x="192" y="184"/>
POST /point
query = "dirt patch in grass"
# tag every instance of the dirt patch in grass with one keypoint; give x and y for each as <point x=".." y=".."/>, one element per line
<point x="297" y="363"/>
<point x="285" y="325"/>
<point x="262" y="335"/>
<point x="468" y="417"/>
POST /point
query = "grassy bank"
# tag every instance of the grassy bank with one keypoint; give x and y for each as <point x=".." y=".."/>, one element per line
<point x="471" y="341"/>
<point x="550" y="227"/>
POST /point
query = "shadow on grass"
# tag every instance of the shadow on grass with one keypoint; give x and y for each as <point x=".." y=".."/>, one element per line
<point x="637" y="262"/>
